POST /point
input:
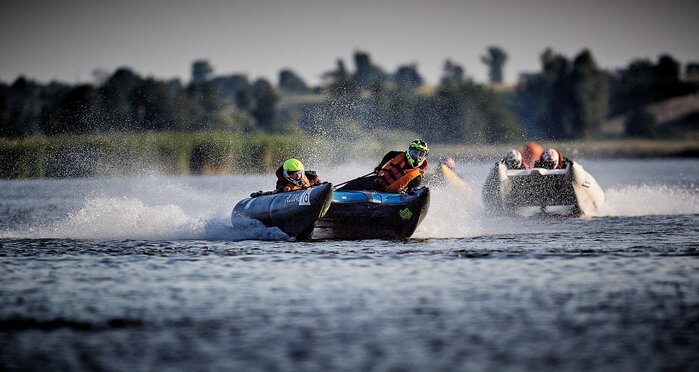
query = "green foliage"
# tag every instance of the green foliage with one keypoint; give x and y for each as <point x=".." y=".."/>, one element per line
<point x="643" y="83"/>
<point x="201" y="72"/>
<point x="235" y="90"/>
<point x="266" y="99"/>
<point x="367" y="75"/>
<point x="590" y="89"/>
<point x="407" y="78"/>
<point x="495" y="59"/>
<point x="131" y="154"/>
<point x="692" y="69"/>
<point x="76" y="113"/>
<point x="453" y="74"/>
<point x="291" y="83"/>
<point x="115" y="100"/>
<point x="566" y="100"/>
<point x="23" y="107"/>
<point x="469" y="113"/>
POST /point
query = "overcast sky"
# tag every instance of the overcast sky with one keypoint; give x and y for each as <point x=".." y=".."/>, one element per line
<point x="68" y="39"/>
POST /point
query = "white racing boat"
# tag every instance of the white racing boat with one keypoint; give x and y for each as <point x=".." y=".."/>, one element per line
<point x="570" y="190"/>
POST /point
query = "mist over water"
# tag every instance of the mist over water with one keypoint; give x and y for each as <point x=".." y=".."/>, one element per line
<point x="167" y="208"/>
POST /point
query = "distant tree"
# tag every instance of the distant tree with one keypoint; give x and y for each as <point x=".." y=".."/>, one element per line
<point x="244" y="99"/>
<point x="692" y="69"/>
<point x="643" y="83"/>
<point x="452" y="74"/>
<point x="590" y="90"/>
<point x="265" y="105"/>
<point x="640" y="71"/>
<point x="339" y="74"/>
<point x="558" y="118"/>
<point x="289" y="82"/>
<point x="206" y="101"/>
<point x="115" y="100"/>
<point x="201" y="72"/>
<point x="495" y="59"/>
<point x="25" y="106"/>
<point x="153" y="103"/>
<point x="100" y="76"/>
<point x="185" y="109"/>
<point x="367" y="75"/>
<point x="667" y="69"/>
<point x="343" y="93"/>
<point x="77" y="111"/>
<point x="235" y="90"/>
<point x="6" y="128"/>
<point x="53" y="94"/>
<point x="407" y="78"/>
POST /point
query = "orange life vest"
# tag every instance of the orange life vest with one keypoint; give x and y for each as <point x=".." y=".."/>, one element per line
<point x="304" y="184"/>
<point x="305" y="181"/>
<point x="397" y="173"/>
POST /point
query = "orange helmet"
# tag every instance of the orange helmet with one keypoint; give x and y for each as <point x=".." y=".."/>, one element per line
<point x="531" y="152"/>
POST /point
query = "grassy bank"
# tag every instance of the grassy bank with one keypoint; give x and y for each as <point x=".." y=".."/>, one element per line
<point x="228" y="153"/>
<point x="120" y="154"/>
<point x="133" y="154"/>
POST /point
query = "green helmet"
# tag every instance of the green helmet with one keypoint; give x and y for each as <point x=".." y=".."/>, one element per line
<point x="292" y="165"/>
<point x="420" y="145"/>
<point x="417" y="152"/>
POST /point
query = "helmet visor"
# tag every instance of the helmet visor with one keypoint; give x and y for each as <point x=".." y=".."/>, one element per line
<point x="294" y="177"/>
<point x="417" y="155"/>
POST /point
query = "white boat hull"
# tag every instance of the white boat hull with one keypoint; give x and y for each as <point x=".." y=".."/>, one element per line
<point x="509" y="190"/>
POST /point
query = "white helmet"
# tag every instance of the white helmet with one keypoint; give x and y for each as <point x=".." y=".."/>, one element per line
<point x="550" y="159"/>
<point x="513" y="160"/>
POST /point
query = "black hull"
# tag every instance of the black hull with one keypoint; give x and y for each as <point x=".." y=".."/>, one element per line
<point x="379" y="216"/>
<point x="295" y="212"/>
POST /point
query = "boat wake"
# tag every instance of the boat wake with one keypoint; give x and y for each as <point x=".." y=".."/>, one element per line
<point x="643" y="200"/>
<point x="453" y="214"/>
<point x="132" y="219"/>
<point x="191" y="213"/>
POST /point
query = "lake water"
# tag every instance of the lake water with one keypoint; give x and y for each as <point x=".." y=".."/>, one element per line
<point x="149" y="274"/>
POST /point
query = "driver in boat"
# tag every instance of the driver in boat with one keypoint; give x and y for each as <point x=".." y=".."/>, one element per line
<point x="399" y="171"/>
<point x="291" y="176"/>
<point x="551" y="159"/>
<point x="513" y="160"/>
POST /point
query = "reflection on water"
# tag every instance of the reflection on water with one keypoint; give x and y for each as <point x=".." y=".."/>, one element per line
<point x="149" y="274"/>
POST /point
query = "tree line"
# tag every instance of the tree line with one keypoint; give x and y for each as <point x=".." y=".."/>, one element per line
<point x="567" y="99"/>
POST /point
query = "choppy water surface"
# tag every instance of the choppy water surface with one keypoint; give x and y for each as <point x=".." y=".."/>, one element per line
<point x="149" y="274"/>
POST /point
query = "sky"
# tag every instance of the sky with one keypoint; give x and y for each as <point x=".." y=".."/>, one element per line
<point x="67" y="40"/>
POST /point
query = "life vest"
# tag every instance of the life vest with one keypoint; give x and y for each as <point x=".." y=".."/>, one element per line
<point x="397" y="173"/>
<point x="304" y="184"/>
<point x="305" y="181"/>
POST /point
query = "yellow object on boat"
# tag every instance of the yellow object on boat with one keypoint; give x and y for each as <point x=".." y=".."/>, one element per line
<point x="455" y="181"/>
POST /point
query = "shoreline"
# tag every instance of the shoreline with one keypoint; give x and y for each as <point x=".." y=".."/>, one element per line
<point x="226" y="153"/>
<point x="600" y="149"/>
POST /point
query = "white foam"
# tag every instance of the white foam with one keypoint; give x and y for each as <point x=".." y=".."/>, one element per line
<point x="128" y="218"/>
<point x="199" y="208"/>
<point x="643" y="200"/>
